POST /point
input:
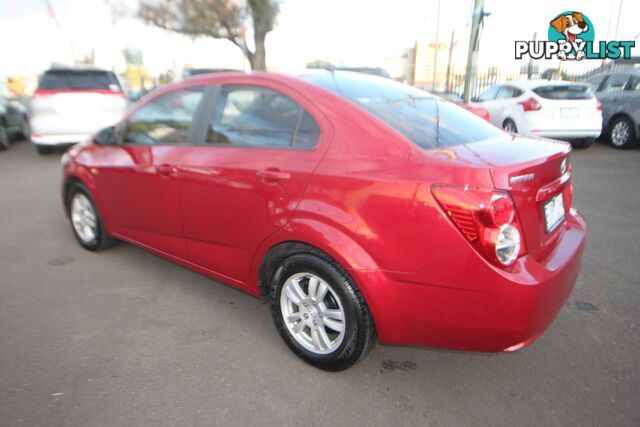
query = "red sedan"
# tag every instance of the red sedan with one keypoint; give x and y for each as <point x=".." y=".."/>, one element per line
<point x="360" y="208"/>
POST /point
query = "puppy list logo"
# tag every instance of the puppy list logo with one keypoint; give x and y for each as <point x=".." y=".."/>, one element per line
<point x="571" y="37"/>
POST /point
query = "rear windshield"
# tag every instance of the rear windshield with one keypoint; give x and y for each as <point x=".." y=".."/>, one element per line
<point x="428" y="121"/>
<point x="79" y="80"/>
<point x="564" y="92"/>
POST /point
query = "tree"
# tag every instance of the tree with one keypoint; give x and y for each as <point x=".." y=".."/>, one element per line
<point x="220" y="19"/>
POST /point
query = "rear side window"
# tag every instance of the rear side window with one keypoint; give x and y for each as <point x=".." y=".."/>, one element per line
<point x="615" y="83"/>
<point x="564" y="92"/>
<point x="164" y="120"/>
<point x="489" y="94"/>
<point x="594" y="82"/>
<point x="79" y="80"/>
<point x="253" y="116"/>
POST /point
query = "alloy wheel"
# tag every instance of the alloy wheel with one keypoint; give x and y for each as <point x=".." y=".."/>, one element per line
<point x="620" y="133"/>
<point x="313" y="313"/>
<point x="83" y="218"/>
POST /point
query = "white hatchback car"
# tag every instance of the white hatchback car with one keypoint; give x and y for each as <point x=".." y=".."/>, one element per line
<point x="545" y="108"/>
<point x="71" y="104"/>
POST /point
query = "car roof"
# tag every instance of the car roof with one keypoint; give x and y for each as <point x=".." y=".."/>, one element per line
<point x="532" y="84"/>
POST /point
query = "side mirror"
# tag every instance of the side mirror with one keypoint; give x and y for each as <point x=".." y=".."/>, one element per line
<point x="106" y="136"/>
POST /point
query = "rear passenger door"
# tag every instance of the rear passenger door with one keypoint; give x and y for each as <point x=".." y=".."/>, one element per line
<point x="258" y="148"/>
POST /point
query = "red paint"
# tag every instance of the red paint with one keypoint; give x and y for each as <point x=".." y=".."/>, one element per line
<point x="364" y="196"/>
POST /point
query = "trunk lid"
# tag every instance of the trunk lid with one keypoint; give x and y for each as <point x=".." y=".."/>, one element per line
<point x="533" y="173"/>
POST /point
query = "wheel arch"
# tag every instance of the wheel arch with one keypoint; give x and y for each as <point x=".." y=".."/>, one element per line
<point x="323" y="240"/>
<point x="618" y="115"/>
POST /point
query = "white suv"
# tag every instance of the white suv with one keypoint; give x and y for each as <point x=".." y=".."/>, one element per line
<point x="545" y="108"/>
<point x="71" y="104"/>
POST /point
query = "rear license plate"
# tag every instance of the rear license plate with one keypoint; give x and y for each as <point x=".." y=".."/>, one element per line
<point x="569" y="112"/>
<point x="554" y="212"/>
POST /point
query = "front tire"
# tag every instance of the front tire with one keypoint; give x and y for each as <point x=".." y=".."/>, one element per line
<point x="86" y="222"/>
<point x="622" y="133"/>
<point x="320" y="313"/>
<point x="4" y="138"/>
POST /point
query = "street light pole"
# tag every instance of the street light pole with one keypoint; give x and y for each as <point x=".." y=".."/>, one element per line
<point x="472" y="56"/>
<point x="435" y="51"/>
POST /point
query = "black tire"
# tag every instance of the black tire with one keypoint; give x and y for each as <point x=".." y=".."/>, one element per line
<point x="4" y="137"/>
<point x="25" y="129"/>
<point x="360" y="333"/>
<point x="102" y="239"/>
<point x="43" y="150"/>
<point x="509" y="126"/>
<point x="582" y="143"/>
<point x="618" y="125"/>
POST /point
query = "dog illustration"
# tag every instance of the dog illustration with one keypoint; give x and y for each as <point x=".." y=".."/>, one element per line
<point x="570" y="26"/>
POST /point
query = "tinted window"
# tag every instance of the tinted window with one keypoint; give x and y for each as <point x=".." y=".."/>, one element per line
<point x="489" y="94"/>
<point x="410" y="111"/>
<point x="615" y="83"/>
<point x="79" y="80"/>
<point x="458" y="126"/>
<point x="594" y="82"/>
<point x="635" y="83"/>
<point x="505" y="92"/>
<point x="260" y="117"/>
<point x="564" y="92"/>
<point x="165" y="119"/>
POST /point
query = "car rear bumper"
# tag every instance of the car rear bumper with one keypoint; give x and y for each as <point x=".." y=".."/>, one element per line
<point x="499" y="311"/>
<point x="59" y="139"/>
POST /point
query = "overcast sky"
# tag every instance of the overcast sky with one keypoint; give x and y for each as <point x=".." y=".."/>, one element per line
<point x="349" y="32"/>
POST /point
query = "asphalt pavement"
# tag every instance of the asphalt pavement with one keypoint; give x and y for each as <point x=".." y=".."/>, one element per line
<point x="123" y="338"/>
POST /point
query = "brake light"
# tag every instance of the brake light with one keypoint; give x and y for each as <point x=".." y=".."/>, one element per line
<point x="486" y="218"/>
<point x="530" y="105"/>
<point x="599" y="105"/>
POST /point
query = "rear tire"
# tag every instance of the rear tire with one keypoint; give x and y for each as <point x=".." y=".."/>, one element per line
<point x="43" y="150"/>
<point x="510" y="126"/>
<point x="622" y="133"/>
<point x="340" y="300"/>
<point x="582" y="143"/>
<point x="81" y="208"/>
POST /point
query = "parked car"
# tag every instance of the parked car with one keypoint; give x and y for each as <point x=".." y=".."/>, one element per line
<point x="70" y="104"/>
<point x="458" y="100"/>
<point x="552" y="109"/>
<point x="189" y="72"/>
<point x="619" y="93"/>
<point x="359" y="207"/>
<point x="14" y="122"/>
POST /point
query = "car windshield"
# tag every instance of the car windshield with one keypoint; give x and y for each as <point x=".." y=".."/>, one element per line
<point x="564" y="92"/>
<point x="428" y="121"/>
<point x="79" y="80"/>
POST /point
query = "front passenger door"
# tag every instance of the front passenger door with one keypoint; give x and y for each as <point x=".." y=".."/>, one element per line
<point x="140" y="183"/>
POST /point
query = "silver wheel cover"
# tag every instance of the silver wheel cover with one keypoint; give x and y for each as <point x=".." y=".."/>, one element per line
<point x="313" y="313"/>
<point x="83" y="218"/>
<point x="620" y="133"/>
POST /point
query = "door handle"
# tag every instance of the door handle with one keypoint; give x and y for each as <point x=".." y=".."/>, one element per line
<point x="272" y="174"/>
<point x="166" y="170"/>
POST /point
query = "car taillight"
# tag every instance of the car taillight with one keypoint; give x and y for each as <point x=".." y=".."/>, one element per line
<point x="530" y="105"/>
<point x="599" y="105"/>
<point x="486" y="218"/>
